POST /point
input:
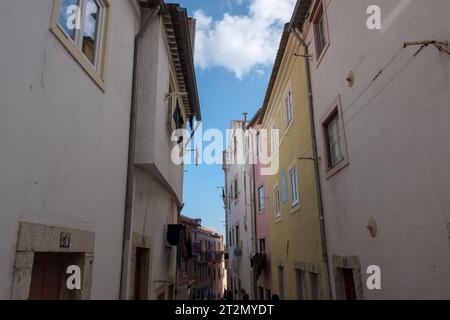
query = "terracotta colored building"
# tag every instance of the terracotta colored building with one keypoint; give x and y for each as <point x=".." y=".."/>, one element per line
<point x="201" y="266"/>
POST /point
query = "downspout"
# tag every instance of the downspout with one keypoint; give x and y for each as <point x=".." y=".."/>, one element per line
<point x="255" y="281"/>
<point x="127" y="242"/>
<point x="315" y="157"/>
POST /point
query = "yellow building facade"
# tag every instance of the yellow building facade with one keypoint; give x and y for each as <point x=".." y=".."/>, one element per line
<point x="297" y="263"/>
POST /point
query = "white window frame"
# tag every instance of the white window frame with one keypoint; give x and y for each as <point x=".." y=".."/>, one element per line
<point x="96" y="69"/>
<point x="261" y="200"/>
<point x="171" y="102"/>
<point x="277" y="203"/>
<point x="236" y="188"/>
<point x="274" y="140"/>
<point x="334" y="141"/>
<point x="334" y="112"/>
<point x="258" y="144"/>
<point x="293" y="185"/>
<point x="288" y="108"/>
<point x="78" y="34"/>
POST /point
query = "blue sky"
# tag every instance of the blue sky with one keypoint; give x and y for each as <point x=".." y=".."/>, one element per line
<point x="235" y="49"/>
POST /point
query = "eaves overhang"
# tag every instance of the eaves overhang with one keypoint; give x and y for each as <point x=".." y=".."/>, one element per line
<point x="176" y="23"/>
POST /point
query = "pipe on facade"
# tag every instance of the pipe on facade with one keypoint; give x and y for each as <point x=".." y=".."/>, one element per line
<point x="255" y="284"/>
<point x="316" y="161"/>
<point x="131" y="153"/>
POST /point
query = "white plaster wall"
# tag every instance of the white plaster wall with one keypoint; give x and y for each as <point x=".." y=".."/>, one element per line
<point x="398" y="145"/>
<point x="153" y="210"/>
<point x="158" y="180"/>
<point x="63" y="142"/>
<point x="240" y="212"/>
<point x="153" y="144"/>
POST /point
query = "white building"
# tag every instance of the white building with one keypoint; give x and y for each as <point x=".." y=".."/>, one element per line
<point x="239" y="213"/>
<point x="66" y="97"/>
<point x="382" y="126"/>
<point x="166" y="99"/>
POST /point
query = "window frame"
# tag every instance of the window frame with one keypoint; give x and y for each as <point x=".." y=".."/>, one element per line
<point x="296" y="201"/>
<point x="171" y="102"/>
<point x="262" y="245"/>
<point x="277" y="203"/>
<point x="288" y="109"/>
<point x="236" y="188"/>
<point x="97" y="70"/>
<point x="274" y="139"/>
<point x="334" y="112"/>
<point x="318" y="13"/>
<point x="258" y="144"/>
<point x="263" y="207"/>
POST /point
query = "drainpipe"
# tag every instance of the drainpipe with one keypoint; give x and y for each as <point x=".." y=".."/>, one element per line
<point x="255" y="283"/>
<point x="127" y="241"/>
<point x="315" y="157"/>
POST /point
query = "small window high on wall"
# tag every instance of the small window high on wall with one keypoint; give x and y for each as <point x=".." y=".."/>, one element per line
<point x="319" y="20"/>
<point x="82" y="26"/>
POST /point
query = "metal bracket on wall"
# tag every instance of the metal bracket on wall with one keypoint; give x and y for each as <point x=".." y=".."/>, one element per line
<point x="440" y="45"/>
<point x="311" y="159"/>
<point x="303" y="56"/>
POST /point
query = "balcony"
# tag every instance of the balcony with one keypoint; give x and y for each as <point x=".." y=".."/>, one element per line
<point x="218" y="256"/>
<point x="204" y="257"/>
<point x="258" y="262"/>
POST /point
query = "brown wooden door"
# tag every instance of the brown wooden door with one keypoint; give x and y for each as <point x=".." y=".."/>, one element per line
<point x="48" y="278"/>
<point x="349" y="283"/>
<point x="141" y="274"/>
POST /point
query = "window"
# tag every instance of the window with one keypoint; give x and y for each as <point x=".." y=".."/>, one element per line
<point x="320" y="30"/>
<point x="262" y="245"/>
<point x="277" y="203"/>
<point x="170" y="99"/>
<point x="258" y="144"/>
<point x="333" y="140"/>
<point x="274" y="142"/>
<point x="236" y="188"/>
<point x="288" y="107"/>
<point x="235" y="150"/>
<point x="237" y="235"/>
<point x="294" y="187"/>
<point x="261" y="198"/>
<point x="245" y="187"/>
<point x="82" y="26"/>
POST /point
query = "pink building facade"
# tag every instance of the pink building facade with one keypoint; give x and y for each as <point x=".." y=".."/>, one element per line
<point x="261" y="257"/>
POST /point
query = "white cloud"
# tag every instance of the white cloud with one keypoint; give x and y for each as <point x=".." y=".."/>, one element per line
<point x="244" y="43"/>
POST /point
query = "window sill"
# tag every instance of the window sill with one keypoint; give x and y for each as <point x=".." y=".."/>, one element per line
<point x="288" y="128"/>
<point x="331" y="171"/>
<point x="295" y="209"/>
<point x="99" y="79"/>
